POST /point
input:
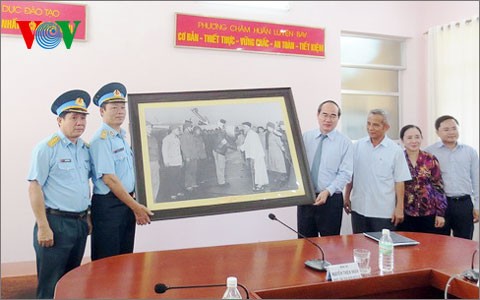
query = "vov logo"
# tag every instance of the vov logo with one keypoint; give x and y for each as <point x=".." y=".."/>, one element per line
<point x="48" y="34"/>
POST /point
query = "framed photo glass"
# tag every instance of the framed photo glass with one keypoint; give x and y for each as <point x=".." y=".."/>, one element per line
<point x="214" y="152"/>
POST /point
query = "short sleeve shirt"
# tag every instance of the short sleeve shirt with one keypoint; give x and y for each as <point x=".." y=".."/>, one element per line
<point x="375" y="172"/>
<point x="111" y="154"/>
<point x="62" y="169"/>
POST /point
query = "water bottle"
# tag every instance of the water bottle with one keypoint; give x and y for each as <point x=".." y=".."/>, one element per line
<point x="232" y="291"/>
<point x="385" y="252"/>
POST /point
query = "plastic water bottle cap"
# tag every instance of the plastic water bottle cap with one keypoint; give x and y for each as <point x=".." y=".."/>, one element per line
<point x="231" y="281"/>
<point x="386" y="231"/>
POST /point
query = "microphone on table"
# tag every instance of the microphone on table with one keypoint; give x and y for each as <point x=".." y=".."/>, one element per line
<point x="161" y="288"/>
<point x="316" y="264"/>
<point x="472" y="274"/>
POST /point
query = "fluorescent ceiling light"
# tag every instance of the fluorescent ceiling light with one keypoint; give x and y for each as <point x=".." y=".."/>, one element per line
<point x="279" y="5"/>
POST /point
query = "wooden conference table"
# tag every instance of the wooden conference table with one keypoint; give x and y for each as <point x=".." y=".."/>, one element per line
<point x="261" y="266"/>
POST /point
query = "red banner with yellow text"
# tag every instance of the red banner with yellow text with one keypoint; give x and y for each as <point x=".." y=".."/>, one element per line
<point x="36" y="11"/>
<point x="218" y="33"/>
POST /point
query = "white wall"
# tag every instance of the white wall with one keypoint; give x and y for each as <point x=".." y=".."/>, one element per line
<point x="132" y="42"/>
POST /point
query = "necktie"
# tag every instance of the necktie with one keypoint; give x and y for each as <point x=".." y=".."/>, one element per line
<point x="316" y="161"/>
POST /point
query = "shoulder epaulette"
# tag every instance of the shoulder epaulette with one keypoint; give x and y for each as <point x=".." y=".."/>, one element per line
<point x="86" y="144"/>
<point x="104" y="134"/>
<point x="53" y="141"/>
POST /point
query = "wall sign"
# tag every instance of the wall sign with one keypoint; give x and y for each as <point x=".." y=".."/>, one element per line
<point x="218" y="33"/>
<point x="36" y="13"/>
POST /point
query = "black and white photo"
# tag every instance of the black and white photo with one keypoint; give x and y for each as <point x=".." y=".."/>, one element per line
<point x="212" y="152"/>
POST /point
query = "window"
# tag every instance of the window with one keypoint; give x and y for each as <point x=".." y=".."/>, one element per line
<point x="370" y="79"/>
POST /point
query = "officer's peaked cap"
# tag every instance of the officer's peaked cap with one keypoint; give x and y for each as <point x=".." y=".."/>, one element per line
<point x="71" y="101"/>
<point x="110" y="93"/>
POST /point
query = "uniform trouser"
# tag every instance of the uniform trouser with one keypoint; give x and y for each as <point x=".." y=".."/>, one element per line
<point x="325" y="219"/>
<point x="459" y="217"/>
<point x="69" y="238"/>
<point x="155" y="173"/>
<point x="113" y="227"/>
<point x="220" y="163"/>
<point x="191" y="167"/>
<point x="173" y="181"/>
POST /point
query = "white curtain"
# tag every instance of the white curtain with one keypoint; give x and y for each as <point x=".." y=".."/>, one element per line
<point x="453" y="77"/>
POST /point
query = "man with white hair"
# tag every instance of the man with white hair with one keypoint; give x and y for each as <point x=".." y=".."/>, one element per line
<point x="375" y="195"/>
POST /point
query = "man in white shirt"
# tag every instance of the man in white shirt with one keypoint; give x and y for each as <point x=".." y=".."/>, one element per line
<point x="173" y="161"/>
<point x="330" y="157"/>
<point x="375" y="195"/>
<point x="256" y="155"/>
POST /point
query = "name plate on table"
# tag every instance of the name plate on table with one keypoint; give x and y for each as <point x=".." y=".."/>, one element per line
<point x="343" y="272"/>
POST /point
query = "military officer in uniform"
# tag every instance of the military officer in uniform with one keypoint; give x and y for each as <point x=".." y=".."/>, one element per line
<point x="59" y="193"/>
<point x="114" y="210"/>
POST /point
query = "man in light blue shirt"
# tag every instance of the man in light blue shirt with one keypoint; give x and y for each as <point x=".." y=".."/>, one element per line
<point x="329" y="177"/>
<point x="59" y="193"/>
<point x="459" y="166"/>
<point x="114" y="210"/>
<point x="375" y="195"/>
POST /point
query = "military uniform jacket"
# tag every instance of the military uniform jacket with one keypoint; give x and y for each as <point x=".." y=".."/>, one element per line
<point x="63" y="170"/>
<point x="111" y="154"/>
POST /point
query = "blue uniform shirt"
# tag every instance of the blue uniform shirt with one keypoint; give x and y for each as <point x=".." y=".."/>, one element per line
<point x="62" y="169"/>
<point x="336" y="166"/>
<point x="111" y="154"/>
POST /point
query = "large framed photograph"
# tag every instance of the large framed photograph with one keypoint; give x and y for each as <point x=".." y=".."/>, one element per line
<point x="213" y="152"/>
